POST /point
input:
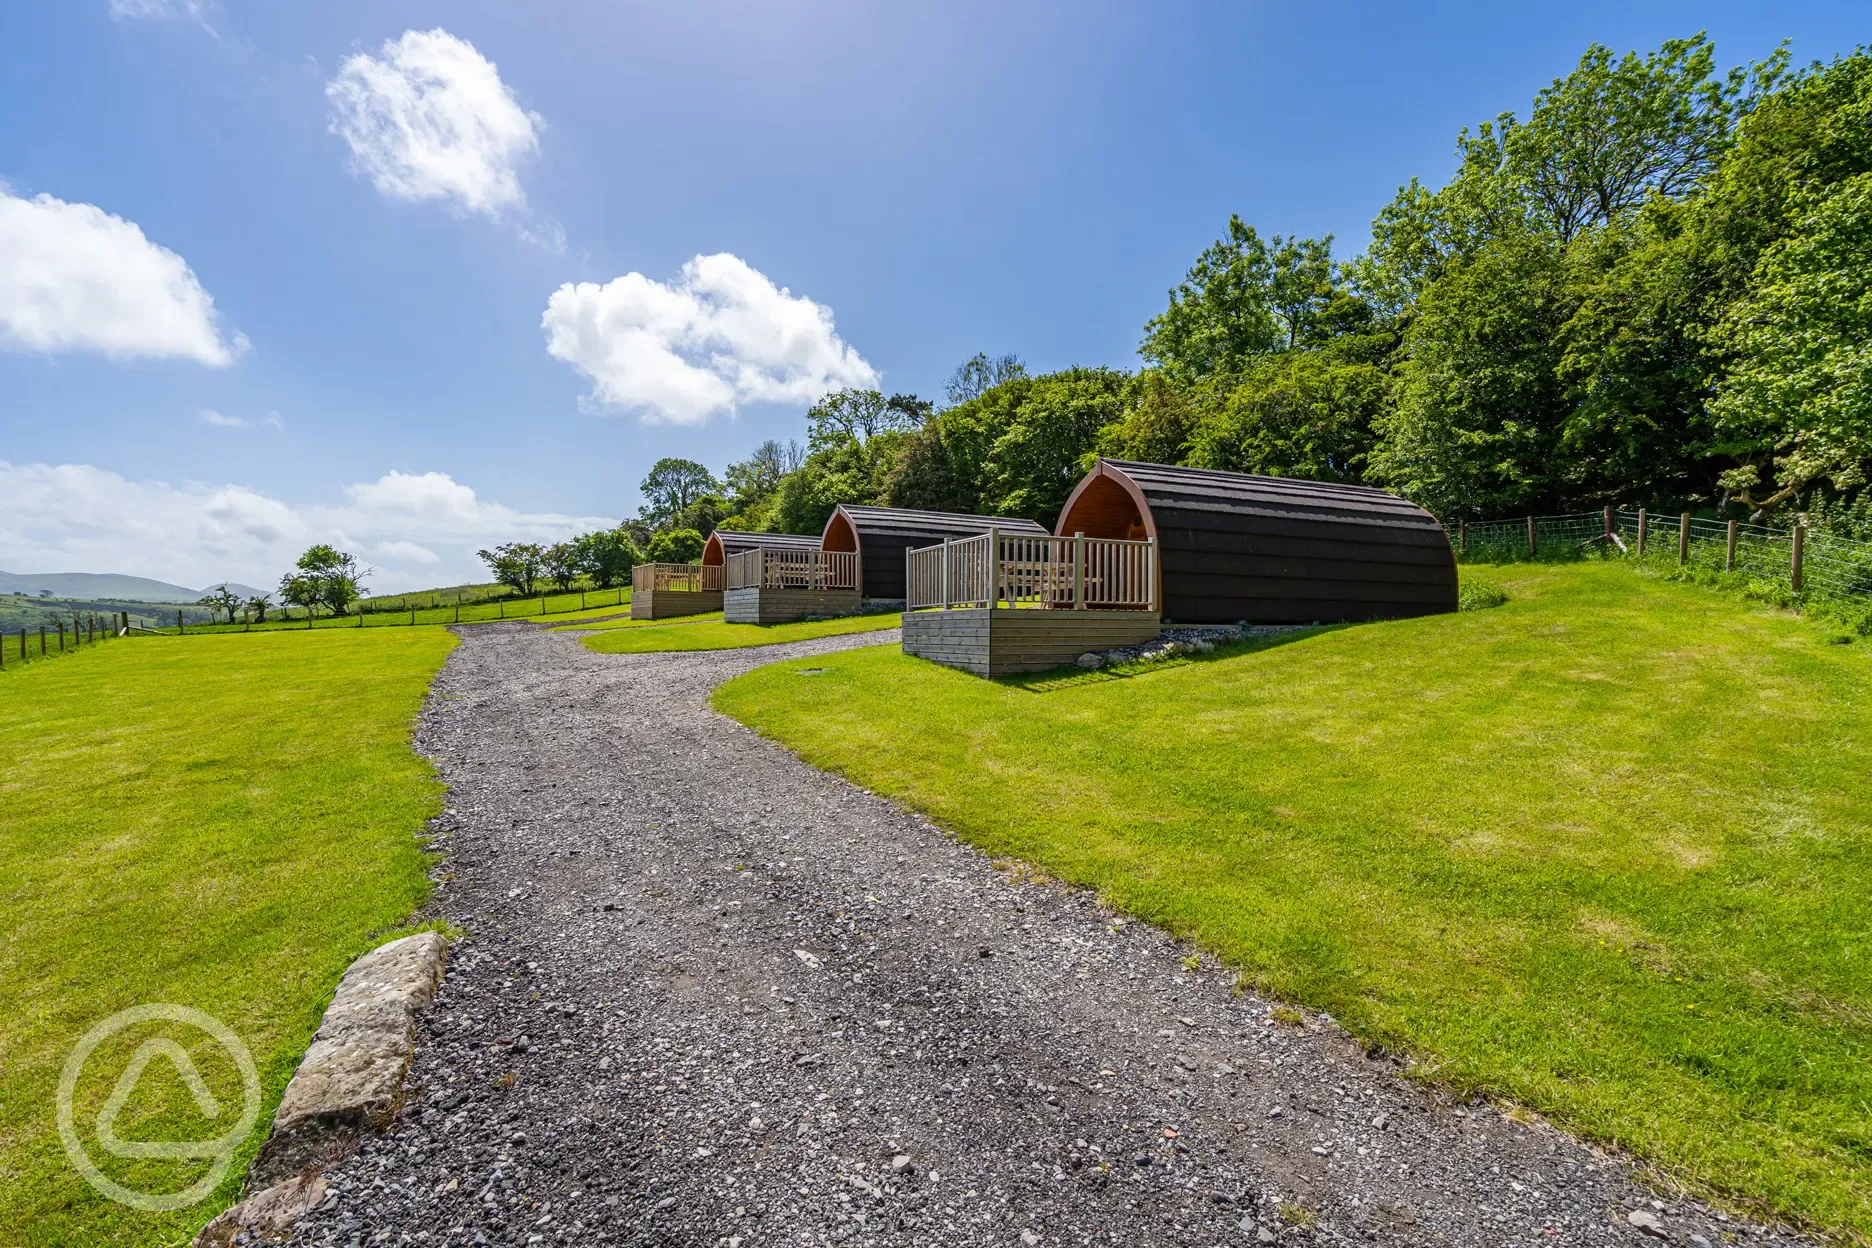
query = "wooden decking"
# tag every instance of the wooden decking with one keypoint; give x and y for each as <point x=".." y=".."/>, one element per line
<point x="998" y="641"/>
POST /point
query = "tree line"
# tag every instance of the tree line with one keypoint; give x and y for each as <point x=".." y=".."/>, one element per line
<point x="1655" y="289"/>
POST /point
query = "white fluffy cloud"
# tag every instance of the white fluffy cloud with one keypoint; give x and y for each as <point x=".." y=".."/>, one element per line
<point x="430" y="118"/>
<point x="417" y="529"/>
<point x="720" y="335"/>
<point x="75" y="278"/>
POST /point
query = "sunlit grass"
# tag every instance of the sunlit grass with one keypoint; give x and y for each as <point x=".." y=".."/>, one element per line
<point x="216" y="822"/>
<point x="719" y="636"/>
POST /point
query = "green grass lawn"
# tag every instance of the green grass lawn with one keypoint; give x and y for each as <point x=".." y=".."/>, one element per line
<point x="719" y="636"/>
<point x="215" y="822"/>
<point x="1604" y="851"/>
<point x="560" y="607"/>
<point x="705" y="617"/>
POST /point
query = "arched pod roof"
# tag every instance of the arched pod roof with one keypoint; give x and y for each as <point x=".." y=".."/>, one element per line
<point x="1270" y="550"/>
<point x="724" y="542"/>
<point x="881" y="535"/>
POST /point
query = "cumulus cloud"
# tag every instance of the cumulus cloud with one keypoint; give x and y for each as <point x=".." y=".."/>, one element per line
<point x="75" y="278"/>
<point x="429" y="118"/>
<point x="418" y="529"/>
<point x="720" y="335"/>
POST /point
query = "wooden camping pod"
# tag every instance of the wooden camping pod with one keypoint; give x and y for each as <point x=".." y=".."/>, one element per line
<point x="725" y="542"/>
<point x="881" y="535"/>
<point x="1270" y="550"/>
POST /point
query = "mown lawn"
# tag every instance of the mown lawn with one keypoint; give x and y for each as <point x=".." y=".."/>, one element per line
<point x="719" y="636"/>
<point x="215" y="822"/>
<point x="1605" y="850"/>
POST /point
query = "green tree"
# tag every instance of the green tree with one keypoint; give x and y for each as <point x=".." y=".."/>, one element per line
<point x="1301" y="414"/>
<point x="516" y="565"/>
<point x="260" y="604"/>
<point x="221" y="598"/>
<point x="1801" y="350"/>
<point x="1477" y="423"/>
<point x="607" y="556"/>
<point x="676" y="546"/>
<point x="671" y="485"/>
<point x="981" y="373"/>
<point x="563" y="563"/>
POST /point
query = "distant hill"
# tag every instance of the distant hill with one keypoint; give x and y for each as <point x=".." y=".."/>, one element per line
<point x="101" y="585"/>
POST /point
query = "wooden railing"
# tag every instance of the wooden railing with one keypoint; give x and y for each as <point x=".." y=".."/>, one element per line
<point x="793" y="569"/>
<point x="683" y="577"/>
<point x="1062" y="573"/>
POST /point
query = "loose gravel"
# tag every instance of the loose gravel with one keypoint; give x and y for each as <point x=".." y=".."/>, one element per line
<point x="708" y="995"/>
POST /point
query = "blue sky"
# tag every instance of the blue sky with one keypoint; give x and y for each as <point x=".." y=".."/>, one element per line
<point x="934" y="179"/>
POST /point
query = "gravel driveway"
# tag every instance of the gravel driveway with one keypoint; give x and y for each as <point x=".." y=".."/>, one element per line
<point x="708" y="995"/>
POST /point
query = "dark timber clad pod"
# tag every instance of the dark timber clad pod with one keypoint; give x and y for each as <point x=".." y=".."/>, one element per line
<point x="881" y="535"/>
<point x="1270" y="550"/>
<point x="725" y="542"/>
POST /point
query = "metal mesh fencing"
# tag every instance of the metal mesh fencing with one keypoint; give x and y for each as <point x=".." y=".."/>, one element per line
<point x="1809" y="566"/>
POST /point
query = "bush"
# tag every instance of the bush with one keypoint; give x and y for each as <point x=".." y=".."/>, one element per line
<point x="1479" y="596"/>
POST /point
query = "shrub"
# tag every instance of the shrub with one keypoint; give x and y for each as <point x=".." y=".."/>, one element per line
<point x="1479" y="596"/>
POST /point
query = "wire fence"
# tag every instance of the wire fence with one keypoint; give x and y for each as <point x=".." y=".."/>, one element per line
<point x="478" y="612"/>
<point x="1796" y="565"/>
<point x="49" y="641"/>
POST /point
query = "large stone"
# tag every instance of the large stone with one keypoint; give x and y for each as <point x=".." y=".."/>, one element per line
<point x="351" y="1081"/>
<point x="265" y="1217"/>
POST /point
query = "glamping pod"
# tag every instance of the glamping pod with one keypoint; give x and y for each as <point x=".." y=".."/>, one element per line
<point x="881" y="536"/>
<point x="1270" y="550"/>
<point x="725" y="542"/>
<point x="769" y="578"/>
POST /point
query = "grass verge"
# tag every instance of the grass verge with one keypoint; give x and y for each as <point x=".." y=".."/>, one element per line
<point x="221" y="823"/>
<point x="718" y="636"/>
<point x="707" y="617"/>
<point x="1602" y="850"/>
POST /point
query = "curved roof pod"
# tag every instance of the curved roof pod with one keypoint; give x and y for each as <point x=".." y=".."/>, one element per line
<point x="724" y="542"/>
<point x="881" y="535"/>
<point x="1270" y="550"/>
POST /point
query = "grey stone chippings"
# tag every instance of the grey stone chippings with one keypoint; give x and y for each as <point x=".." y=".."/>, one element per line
<point x="763" y="1006"/>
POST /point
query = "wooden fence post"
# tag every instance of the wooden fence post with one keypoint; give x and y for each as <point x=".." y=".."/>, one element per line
<point x="1683" y="538"/>
<point x="1462" y="537"/>
<point x="945" y="573"/>
<point x="178" y="623"/>
<point x="994" y="567"/>
<point x="1643" y="526"/>
<point x="1079" y="570"/>
<point x="1729" y="560"/>
<point x="1608" y="526"/>
<point x="1532" y="545"/>
<point x="1800" y="530"/>
<point x="42" y="649"/>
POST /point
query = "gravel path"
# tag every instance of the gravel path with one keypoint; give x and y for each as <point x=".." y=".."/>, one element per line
<point x="711" y="996"/>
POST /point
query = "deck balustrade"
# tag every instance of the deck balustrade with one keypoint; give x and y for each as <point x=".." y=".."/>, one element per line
<point x="792" y="569"/>
<point x="1059" y="573"/>
<point x="679" y="577"/>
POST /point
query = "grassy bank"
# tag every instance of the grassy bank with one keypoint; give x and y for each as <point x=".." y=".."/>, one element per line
<point x="1602" y="850"/>
<point x="718" y="636"/>
<point x="222" y="823"/>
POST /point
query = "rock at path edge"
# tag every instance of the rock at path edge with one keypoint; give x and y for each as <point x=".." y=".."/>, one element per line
<point x="351" y="1080"/>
